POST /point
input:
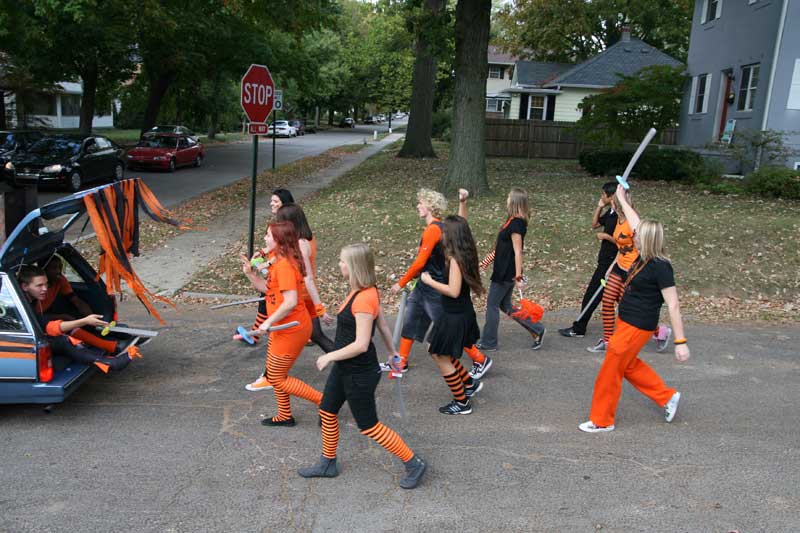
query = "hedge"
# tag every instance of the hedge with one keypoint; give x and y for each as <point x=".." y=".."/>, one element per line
<point x="778" y="182"/>
<point x="667" y="165"/>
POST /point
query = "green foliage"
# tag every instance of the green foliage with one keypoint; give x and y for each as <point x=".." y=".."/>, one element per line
<point x="649" y="99"/>
<point x="442" y="120"/>
<point x="576" y="30"/>
<point x="755" y="147"/>
<point x="664" y="165"/>
<point x="777" y="182"/>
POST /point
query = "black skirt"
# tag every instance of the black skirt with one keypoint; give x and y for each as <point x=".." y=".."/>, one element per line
<point x="453" y="332"/>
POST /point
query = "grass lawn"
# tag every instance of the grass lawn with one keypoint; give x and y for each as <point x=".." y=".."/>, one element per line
<point x="735" y="257"/>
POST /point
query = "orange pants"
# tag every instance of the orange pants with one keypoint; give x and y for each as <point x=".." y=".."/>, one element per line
<point x="622" y="361"/>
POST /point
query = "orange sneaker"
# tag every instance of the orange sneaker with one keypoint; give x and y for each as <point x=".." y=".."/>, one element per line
<point x="262" y="383"/>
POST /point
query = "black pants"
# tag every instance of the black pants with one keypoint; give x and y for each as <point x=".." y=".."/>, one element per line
<point x="579" y="327"/>
<point x="358" y="389"/>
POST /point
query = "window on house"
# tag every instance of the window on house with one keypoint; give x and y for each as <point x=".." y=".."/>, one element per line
<point x="748" y="82"/>
<point x="70" y="105"/>
<point x="495" y="72"/>
<point x="712" y="10"/>
<point x="537" y="108"/>
<point x="700" y="94"/>
<point x="495" y="105"/>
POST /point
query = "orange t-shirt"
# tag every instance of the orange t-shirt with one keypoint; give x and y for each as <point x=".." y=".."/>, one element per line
<point x="626" y="250"/>
<point x="430" y="237"/>
<point x="60" y="288"/>
<point x="367" y="301"/>
<point x="283" y="275"/>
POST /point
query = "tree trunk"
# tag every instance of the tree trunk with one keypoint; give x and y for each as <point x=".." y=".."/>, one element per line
<point x="89" y="78"/>
<point x="420" y="121"/>
<point x="158" y="86"/>
<point x="467" y="165"/>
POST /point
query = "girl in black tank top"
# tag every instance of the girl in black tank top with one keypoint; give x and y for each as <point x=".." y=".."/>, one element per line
<point x="355" y="373"/>
<point x="457" y="328"/>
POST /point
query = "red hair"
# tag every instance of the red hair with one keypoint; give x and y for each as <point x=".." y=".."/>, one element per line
<point x="285" y="236"/>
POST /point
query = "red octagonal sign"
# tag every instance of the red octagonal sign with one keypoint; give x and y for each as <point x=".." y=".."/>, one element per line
<point x="258" y="91"/>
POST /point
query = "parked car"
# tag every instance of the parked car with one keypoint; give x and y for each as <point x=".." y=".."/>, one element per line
<point x="298" y="126"/>
<point x="282" y="128"/>
<point x="169" y="128"/>
<point x="166" y="151"/>
<point x="29" y="372"/>
<point x="69" y="160"/>
<point x="369" y="119"/>
<point x="11" y="144"/>
<point x="347" y="122"/>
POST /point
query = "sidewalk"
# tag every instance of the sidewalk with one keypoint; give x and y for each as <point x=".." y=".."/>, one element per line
<point x="164" y="274"/>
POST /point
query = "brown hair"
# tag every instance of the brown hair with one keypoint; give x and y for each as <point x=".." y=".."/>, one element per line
<point x="285" y="237"/>
<point x="459" y="245"/>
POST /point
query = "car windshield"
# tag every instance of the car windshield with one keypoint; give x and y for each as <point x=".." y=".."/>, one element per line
<point x="158" y="141"/>
<point x="56" y="145"/>
<point x="281" y="123"/>
<point x="6" y="141"/>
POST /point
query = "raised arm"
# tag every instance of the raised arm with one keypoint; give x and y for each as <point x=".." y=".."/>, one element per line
<point x="630" y="212"/>
<point x="463" y="194"/>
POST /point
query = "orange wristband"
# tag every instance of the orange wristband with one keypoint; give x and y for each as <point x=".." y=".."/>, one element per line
<point x="679" y="341"/>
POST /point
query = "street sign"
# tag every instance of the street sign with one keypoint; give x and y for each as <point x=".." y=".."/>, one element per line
<point x="258" y="93"/>
<point x="278" y="106"/>
<point x="258" y="129"/>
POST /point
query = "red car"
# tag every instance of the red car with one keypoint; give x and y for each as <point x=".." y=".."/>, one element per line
<point x="166" y="151"/>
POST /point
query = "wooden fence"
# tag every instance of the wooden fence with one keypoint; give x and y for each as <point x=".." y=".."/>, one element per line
<point x="542" y="139"/>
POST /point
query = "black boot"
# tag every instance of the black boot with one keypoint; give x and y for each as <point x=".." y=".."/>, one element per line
<point x="325" y="468"/>
<point x="415" y="468"/>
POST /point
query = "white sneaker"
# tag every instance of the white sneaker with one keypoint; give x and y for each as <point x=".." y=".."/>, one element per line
<point x="262" y="383"/>
<point x="672" y="407"/>
<point x="597" y="348"/>
<point x="589" y="427"/>
<point x="479" y="369"/>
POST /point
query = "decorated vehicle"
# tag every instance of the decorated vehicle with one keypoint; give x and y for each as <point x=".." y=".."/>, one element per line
<point x="166" y="151"/>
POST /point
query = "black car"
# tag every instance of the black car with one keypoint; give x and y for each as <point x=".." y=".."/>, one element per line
<point x="347" y="123"/>
<point x="11" y="144"/>
<point x="299" y="127"/>
<point x="69" y="160"/>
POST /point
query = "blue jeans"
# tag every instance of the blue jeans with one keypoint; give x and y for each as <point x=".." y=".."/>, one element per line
<point x="424" y="305"/>
<point x="500" y="293"/>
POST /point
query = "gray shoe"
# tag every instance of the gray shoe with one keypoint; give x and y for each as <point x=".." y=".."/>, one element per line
<point x="325" y="468"/>
<point x="415" y="468"/>
<point x="598" y="348"/>
<point x="538" y="342"/>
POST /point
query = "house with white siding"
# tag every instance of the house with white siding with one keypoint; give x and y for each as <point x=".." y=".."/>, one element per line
<point x="498" y="79"/>
<point x="552" y="91"/>
<point x="58" y="109"/>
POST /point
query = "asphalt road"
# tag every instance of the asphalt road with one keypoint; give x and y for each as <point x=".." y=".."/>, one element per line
<point x="174" y="443"/>
<point x="226" y="163"/>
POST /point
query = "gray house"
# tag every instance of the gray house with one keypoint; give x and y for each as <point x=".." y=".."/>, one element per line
<point x="744" y="63"/>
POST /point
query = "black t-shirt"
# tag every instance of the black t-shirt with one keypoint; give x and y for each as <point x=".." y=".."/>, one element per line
<point x="608" y="250"/>
<point x="642" y="299"/>
<point x="504" y="267"/>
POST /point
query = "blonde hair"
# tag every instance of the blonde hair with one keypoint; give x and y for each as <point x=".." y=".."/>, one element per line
<point x="360" y="265"/>
<point x="518" y="203"/>
<point x="434" y="201"/>
<point x="651" y="240"/>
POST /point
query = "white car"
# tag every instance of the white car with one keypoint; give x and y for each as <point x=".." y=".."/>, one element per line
<point x="282" y="128"/>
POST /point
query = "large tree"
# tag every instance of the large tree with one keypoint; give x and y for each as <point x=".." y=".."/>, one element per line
<point x="467" y="165"/>
<point x="427" y="23"/>
<point x="575" y="30"/>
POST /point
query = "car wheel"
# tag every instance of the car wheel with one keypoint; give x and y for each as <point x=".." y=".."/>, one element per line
<point x="198" y="160"/>
<point x="172" y="165"/>
<point x="75" y="181"/>
<point x="119" y="172"/>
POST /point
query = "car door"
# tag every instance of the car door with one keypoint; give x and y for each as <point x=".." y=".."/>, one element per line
<point x="107" y="157"/>
<point x="17" y="340"/>
<point x="90" y="160"/>
<point x="184" y="153"/>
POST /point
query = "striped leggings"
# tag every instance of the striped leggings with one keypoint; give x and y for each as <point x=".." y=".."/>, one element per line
<point x="284" y="385"/>
<point x="612" y="294"/>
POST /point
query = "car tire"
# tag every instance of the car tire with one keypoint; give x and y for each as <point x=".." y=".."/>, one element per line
<point x="172" y="165"/>
<point x="119" y="172"/>
<point x="75" y="181"/>
<point x="198" y="161"/>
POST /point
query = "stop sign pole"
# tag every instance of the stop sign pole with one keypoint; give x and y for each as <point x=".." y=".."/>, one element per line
<point x="258" y="98"/>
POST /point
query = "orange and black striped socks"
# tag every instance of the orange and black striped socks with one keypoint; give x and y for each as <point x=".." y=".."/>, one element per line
<point x="405" y="348"/>
<point x="106" y="345"/>
<point x="611" y="295"/>
<point x="387" y="438"/>
<point x="260" y="318"/>
<point x="456" y="385"/>
<point x="284" y="385"/>
<point x="475" y="354"/>
<point x="466" y="379"/>
<point x="330" y="434"/>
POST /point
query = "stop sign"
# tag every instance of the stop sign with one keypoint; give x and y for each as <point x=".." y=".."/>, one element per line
<point x="258" y="92"/>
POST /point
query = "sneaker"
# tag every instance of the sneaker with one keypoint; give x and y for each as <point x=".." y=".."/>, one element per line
<point x="415" y="468"/>
<point x="484" y="348"/>
<point x="672" y="407"/>
<point x="261" y="383"/>
<point x="456" y="408"/>
<point x="325" y="468"/>
<point x="538" y="342"/>
<point x="589" y="427"/>
<point x="663" y="340"/>
<point x="599" y="347"/>
<point x="479" y="369"/>
<point x="387" y="367"/>
<point x="473" y="389"/>
<point x="570" y="332"/>
<point x="289" y="422"/>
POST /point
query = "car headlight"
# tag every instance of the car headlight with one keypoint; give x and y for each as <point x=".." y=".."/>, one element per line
<point x="9" y="166"/>
<point x="130" y="156"/>
<point x="52" y="169"/>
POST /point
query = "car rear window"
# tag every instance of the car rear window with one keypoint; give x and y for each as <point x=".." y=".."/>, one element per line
<point x="158" y="141"/>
